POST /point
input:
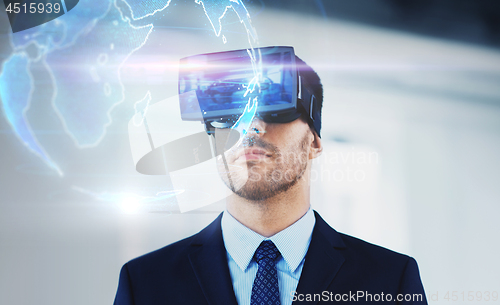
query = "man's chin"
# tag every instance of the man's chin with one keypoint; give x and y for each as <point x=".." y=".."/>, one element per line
<point x="261" y="190"/>
<point x="253" y="193"/>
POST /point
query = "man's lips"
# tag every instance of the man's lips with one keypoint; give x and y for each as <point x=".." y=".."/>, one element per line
<point x="254" y="154"/>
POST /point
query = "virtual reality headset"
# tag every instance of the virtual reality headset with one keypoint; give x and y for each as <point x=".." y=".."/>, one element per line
<point x="215" y="88"/>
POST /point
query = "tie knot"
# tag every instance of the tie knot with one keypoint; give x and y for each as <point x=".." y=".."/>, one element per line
<point x="267" y="249"/>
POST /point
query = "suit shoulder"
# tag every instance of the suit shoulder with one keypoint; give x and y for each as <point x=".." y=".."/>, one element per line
<point x="170" y="253"/>
<point x="372" y="253"/>
<point x="173" y="254"/>
<point x="358" y="249"/>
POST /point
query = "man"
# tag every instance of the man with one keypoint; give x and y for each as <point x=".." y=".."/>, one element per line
<point x="268" y="246"/>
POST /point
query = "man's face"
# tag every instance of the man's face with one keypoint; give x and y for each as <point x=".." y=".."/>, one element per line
<point x="271" y="159"/>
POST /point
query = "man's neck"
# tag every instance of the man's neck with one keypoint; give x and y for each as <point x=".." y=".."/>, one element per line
<point x="274" y="214"/>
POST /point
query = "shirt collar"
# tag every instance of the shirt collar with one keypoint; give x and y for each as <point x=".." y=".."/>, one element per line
<point x="292" y="242"/>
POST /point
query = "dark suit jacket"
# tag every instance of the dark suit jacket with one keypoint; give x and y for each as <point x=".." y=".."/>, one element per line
<point x="195" y="271"/>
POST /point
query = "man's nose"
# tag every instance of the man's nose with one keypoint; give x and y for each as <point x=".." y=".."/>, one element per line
<point x="257" y="127"/>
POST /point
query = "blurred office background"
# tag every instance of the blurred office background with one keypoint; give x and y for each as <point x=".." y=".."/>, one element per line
<point x="411" y="129"/>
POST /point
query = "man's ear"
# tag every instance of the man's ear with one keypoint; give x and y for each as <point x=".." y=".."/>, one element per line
<point x="316" y="146"/>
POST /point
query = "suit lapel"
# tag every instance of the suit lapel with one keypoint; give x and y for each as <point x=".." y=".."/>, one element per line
<point x="323" y="259"/>
<point x="209" y="262"/>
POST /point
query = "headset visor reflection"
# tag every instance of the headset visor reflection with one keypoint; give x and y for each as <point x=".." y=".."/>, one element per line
<point x="222" y="84"/>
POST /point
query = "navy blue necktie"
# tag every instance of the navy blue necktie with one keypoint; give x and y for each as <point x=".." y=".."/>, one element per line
<point x="265" y="290"/>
